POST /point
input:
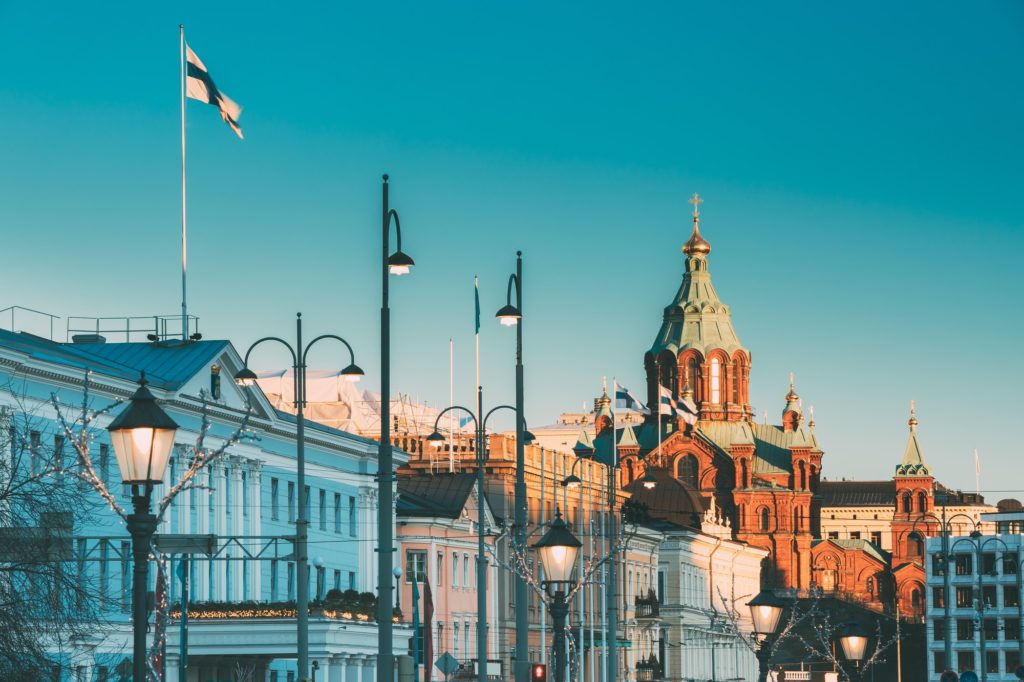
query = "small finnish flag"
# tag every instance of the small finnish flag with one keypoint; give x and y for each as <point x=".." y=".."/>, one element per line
<point x="665" y="403"/>
<point x="199" y="85"/>
<point x="686" y="410"/>
<point x="624" y="399"/>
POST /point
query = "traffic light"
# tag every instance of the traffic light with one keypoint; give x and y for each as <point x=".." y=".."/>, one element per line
<point x="538" y="673"/>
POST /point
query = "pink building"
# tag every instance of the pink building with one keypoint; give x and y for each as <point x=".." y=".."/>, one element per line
<point x="437" y="537"/>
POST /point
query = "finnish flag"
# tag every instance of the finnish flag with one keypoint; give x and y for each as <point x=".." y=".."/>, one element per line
<point x="199" y="85"/>
<point x="624" y="399"/>
<point x="666" y="405"/>
<point x="686" y="410"/>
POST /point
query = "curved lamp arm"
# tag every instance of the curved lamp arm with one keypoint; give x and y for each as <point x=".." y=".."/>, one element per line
<point x="514" y="279"/>
<point x="393" y="214"/>
<point x="295" y="360"/>
<point x="495" y="409"/>
<point x="970" y="540"/>
<point x="451" y="409"/>
<point x="351" y="353"/>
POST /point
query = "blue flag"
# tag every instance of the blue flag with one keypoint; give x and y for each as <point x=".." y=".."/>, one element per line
<point x="625" y="399"/>
<point x="476" y="298"/>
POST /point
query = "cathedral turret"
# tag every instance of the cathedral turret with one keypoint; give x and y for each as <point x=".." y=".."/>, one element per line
<point x="915" y="497"/>
<point x="697" y="344"/>
<point x="792" y="413"/>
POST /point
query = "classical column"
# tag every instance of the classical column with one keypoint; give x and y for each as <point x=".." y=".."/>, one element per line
<point x="256" y="522"/>
<point x="337" y="668"/>
<point x="369" y="670"/>
<point x="366" y="511"/>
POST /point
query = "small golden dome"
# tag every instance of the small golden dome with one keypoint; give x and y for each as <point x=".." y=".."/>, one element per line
<point x="696" y="245"/>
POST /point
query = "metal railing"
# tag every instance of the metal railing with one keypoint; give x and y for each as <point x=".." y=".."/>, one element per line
<point x="128" y="329"/>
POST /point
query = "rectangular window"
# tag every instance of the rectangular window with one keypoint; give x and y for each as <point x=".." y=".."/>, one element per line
<point x="1011" y="595"/>
<point x="940" y="661"/>
<point x="104" y="572"/>
<point x="964" y="596"/>
<point x="991" y="629"/>
<point x="58" y="453"/>
<point x="939" y="597"/>
<point x="306" y="502"/>
<point x="1012" y="659"/>
<point x="965" y="660"/>
<point x="964" y="630"/>
<point x="323" y="510"/>
<point x="876" y="538"/>
<point x="465" y="568"/>
<point x="337" y="579"/>
<point x="274" y="511"/>
<point x="126" y="577"/>
<point x="1009" y="564"/>
<point x="352" y="516"/>
<point x="832" y="534"/>
<point x="988" y="563"/>
<point x="415" y="565"/>
<point x="337" y="513"/>
<point x="855" y="535"/>
<point x="1011" y="628"/>
<point x="104" y="472"/>
<point x="964" y="564"/>
<point x="988" y="595"/>
<point x="351" y="580"/>
<point x="273" y="580"/>
<point x="938" y="565"/>
<point x="291" y="502"/>
<point x="34" y="451"/>
<point x="992" y="661"/>
<point x="440" y="570"/>
<point x="291" y="580"/>
<point x="939" y="630"/>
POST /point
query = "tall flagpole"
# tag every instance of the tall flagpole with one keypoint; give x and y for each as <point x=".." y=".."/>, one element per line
<point x="451" y="401"/>
<point x="184" y="242"/>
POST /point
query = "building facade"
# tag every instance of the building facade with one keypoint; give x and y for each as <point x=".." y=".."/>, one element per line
<point x="246" y="498"/>
<point x="980" y="618"/>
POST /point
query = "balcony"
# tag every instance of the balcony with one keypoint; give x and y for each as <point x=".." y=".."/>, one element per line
<point x="647" y="608"/>
<point x="649" y="670"/>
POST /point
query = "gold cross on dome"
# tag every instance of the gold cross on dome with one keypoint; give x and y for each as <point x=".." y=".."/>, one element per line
<point x="696" y="201"/>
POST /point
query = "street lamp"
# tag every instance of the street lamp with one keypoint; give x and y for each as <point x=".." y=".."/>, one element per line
<point x="397" y="263"/>
<point x="512" y="316"/>
<point x="246" y="377"/>
<point x="766" y="613"/>
<point x="436" y="440"/>
<point x="853" y="640"/>
<point x="142" y="437"/>
<point x="558" y="549"/>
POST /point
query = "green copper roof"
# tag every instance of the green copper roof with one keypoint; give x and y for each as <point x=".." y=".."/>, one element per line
<point x="696" y="318"/>
<point x="913" y="463"/>
<point x="772" y="444"/>
<point x="627" y="437"/>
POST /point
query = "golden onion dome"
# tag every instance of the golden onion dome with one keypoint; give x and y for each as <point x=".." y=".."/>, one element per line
<point x="696" y="244"/>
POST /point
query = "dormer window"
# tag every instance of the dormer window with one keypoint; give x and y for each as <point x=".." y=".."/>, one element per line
<point x="716" y="381"/>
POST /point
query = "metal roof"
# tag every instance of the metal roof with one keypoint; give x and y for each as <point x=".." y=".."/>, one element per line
<point x="434" y="495"/>
<point x="858" y="493"/>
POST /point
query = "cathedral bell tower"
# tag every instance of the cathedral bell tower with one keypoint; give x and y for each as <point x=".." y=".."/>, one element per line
<point x="697" y="348"/>
<point x="915" y="499"/>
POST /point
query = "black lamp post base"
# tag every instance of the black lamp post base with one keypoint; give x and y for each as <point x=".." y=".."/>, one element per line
<point x="141" y="526"/>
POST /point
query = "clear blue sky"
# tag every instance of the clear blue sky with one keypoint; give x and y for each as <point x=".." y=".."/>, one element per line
<point x="861" y="167"/>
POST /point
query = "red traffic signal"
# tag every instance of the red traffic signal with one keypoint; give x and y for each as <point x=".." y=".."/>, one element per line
<point x="538" y="672"/>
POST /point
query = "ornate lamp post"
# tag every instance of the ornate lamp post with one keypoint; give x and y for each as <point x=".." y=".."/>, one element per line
<point x="512" y="316"/>
<point x="142" y="437"/>
<point x="766" y="612"/>
<point x="397" y="263"/>
<point x="558" y="549"/>
<point x="853" y="640"/>
<point x="246" y="377"/>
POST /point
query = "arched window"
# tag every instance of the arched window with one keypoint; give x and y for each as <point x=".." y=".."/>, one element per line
<point x="922" y="502"/>
<point x="764" y="518"/>
<point x="691" y="376"/>
<point x="913" y="546"/>
<point x="907" y="502"/>
<point x="736" y="381"/>
<point x="915" y="599"/>
<point x="744" y="474"/>
<point x="716" y="380"/>
<point x="687" y="470"/>
<point x="871" y="588"/>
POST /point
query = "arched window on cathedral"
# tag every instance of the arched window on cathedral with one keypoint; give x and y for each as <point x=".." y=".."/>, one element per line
<point x="736" y="381"/>
<point x="692" y="377"/>
<point x="716" y="380"/>
<point x="744" y="474"/>
<point x="913" y="545"/>
<point x="764" y="519"/>
<point x="922" y="502"/>
<point x="687" y="470"/>
<point x="907" y="502"/>
<point x="871" y="588"/>
<point x="915" y="600"/>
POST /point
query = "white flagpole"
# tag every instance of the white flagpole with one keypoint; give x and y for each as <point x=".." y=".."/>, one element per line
<point x="977" y="472"/>
<point x="184" y="241"/>
<point x="451" y="401"/>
